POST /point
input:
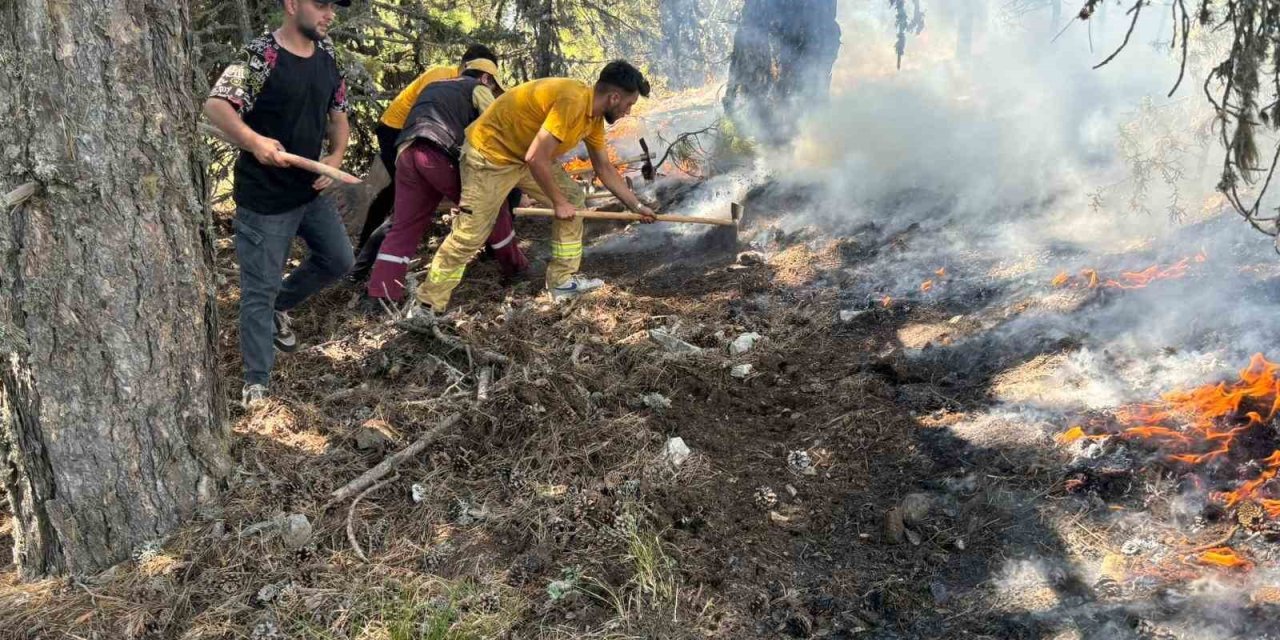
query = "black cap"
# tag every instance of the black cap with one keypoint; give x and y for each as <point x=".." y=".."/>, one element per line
<point x="340" y="3"/>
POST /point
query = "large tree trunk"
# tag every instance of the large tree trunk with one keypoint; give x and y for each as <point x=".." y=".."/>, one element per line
<point x="782" y="57"/>
<point x="111" y="430"/>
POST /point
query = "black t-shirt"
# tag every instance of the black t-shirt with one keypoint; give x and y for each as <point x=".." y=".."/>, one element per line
<point x="286" y="97"/>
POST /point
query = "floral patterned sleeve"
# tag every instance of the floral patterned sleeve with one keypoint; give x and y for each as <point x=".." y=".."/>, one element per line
<point x="338" y="102"/>
<point x="243" y="80"/>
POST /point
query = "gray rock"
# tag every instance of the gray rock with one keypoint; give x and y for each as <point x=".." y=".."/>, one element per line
<point x="655" y="401"/>
<point x="743" y="343"/>
<point x="894" y="530"/>
<point x="373" y="434"/>
<point x="676" y="451"/>
<point x="672" y="344"/>
<point x="915" y="509"/>
<point x="741" y="371"/>
<point x="296" y="531"/>
<point x="849" y="315"/>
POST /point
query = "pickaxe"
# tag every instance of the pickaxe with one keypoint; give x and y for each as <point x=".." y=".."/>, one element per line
<point x="647" y="170"/>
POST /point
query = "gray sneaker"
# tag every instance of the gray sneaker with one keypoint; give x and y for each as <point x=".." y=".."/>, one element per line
<point x="253" y="396"/>
<point x="284" y="338"/>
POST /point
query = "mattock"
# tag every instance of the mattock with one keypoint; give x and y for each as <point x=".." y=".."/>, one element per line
<point x="647" y="170"/>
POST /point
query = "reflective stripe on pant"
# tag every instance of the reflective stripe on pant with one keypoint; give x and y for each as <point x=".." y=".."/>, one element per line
<point x="484" y="189"/>
<point x="424" y="176"/>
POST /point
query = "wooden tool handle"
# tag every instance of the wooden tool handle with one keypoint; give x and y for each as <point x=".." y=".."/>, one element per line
<point x="631" y="217"/>
<point x="320" y="168"/>
<point x="294" y="160"/>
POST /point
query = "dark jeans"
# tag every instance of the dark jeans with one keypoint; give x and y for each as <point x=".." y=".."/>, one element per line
<point x="262" y="246"/>
<point x="380" y="208"/>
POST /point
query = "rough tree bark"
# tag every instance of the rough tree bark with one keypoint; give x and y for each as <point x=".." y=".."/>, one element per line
<point x="111" y="430"/>
<point x="782" y="57"/>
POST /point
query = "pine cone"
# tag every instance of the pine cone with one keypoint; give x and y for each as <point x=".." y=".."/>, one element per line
<point x="765" y="498"/>
<point x="799" y="461"/>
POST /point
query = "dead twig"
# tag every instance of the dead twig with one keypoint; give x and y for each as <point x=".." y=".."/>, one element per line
<point x="483" y="381"/>
<point x="483" y="355"/>
<point x="1216" y="543"/>
<point x="351" y="516"/>
<point x="391" y="462"/>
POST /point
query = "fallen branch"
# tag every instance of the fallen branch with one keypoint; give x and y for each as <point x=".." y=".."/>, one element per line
<point x="483" y="355"/>
<point x="351" y="516"/>
<point x="375" y="474"/>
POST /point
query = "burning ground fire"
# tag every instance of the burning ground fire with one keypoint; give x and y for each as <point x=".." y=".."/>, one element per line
<point x="1211" y="430"/>
<point x="1089" y="278"/>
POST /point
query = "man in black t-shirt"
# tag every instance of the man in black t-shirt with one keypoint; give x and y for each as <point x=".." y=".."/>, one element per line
<point x="286" y="94"/>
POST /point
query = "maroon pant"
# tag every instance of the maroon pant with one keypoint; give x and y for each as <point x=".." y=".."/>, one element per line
<point x="425" y="176"/>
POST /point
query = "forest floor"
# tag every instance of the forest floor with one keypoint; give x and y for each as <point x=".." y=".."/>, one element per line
<point x="857" y="482"/>
<point x="551" y="510"/>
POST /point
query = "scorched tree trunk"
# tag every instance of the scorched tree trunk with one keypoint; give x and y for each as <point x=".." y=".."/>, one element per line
<point x="111" y="431"/>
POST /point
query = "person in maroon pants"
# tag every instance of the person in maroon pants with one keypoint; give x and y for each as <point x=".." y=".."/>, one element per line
<point x="427" y="172"/>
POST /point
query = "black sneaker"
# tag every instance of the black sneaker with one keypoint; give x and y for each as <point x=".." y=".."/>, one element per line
<point x="284" y="339"/>
<point x="357" y="278"/>
<point x="520" y="277"/>
<point x="372" y="307"/>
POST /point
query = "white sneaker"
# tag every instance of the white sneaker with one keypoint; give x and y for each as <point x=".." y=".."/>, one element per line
<point x="253" y="396"/>
<point x="576" y="285"/>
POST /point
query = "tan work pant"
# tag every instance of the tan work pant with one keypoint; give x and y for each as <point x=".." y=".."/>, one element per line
<point x="485" y="186"/>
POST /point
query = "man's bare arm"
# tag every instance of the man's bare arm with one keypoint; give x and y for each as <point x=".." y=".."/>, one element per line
<point x="223" y="116"/>
<point x="339" y="133"/>
<point x="541" y="158"/>
<point x="615" y="184"/>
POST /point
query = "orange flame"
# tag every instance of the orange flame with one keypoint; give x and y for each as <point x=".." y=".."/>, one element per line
<point x="1089" y="278"/>
<point x="886" y="301"/>
<point x="941" y="272"/>
<point x="1076" y="433"/>
<point x="926" y="286"/>
<point x="578" y="164"/>
<point x="1200" y="425"/>
<point x="1224" y="557"/>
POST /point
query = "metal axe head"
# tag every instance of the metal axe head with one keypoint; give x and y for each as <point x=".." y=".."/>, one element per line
<point x="646" y="170"/>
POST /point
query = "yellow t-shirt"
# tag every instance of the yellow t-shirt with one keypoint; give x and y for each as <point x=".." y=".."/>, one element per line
<point x="504" y="132"/>
<point x="398" y="111"/>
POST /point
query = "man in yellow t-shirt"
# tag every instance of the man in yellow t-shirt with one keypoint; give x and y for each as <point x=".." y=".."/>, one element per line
<point x="515" y="143"/>
<point x="387" y="131"/>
